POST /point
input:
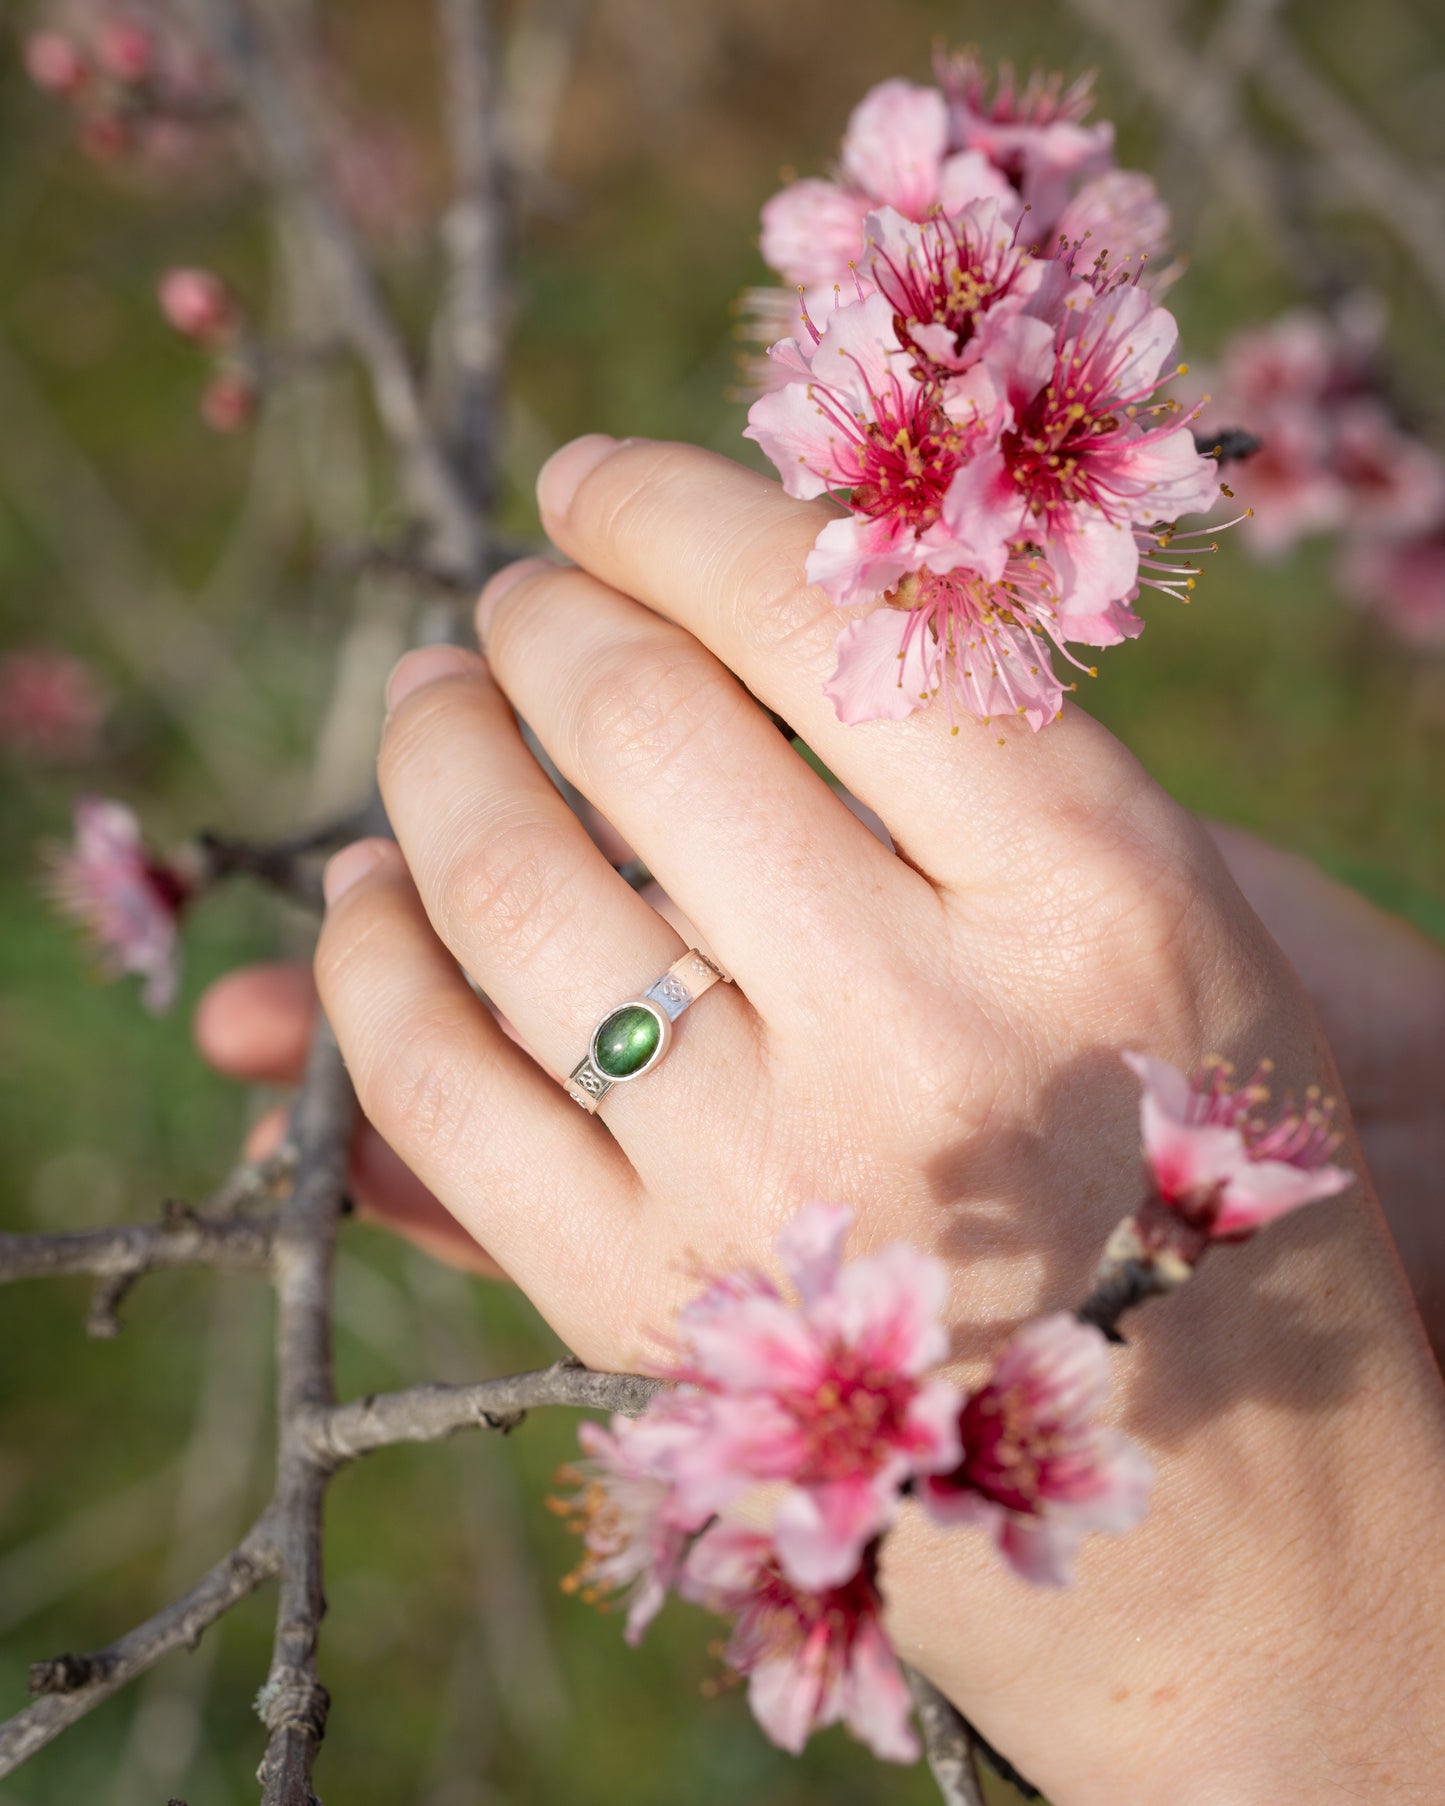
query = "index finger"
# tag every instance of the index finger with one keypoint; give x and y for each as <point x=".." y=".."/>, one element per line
<point x="721" y="551"/>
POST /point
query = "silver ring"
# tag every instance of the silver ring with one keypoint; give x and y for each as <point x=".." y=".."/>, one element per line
<point x="633" y="1038"/>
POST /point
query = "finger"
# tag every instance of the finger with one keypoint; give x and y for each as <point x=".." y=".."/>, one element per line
<point x="256" y="1023"/>
<point x="787" y="886"/>
<point x="516" y="889"/>
<point x="386" y="1191"/>
<point x="721" y="551"/>
<point x="538" y="1183"/>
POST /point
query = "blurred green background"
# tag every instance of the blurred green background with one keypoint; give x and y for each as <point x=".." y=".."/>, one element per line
<point x="186" y="568"/>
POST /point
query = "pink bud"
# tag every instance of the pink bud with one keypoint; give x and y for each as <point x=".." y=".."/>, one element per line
<point x="198" y="304"/>
<point x="228" y="402"/>
<point x="126" y="50"/>
<point x="106" y="137"/>
<point x="54" y="63"/>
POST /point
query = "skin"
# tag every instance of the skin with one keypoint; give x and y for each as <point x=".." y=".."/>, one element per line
<point x="931" y="1034"/>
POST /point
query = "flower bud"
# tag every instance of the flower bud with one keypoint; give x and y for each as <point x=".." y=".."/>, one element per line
<point x="228" y="402"/>
<point x="198" y="305"/>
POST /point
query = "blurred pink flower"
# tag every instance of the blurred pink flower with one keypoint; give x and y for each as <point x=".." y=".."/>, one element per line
<point x="1288" y="482"/>
<point x="228" y="401"/>
<point x="51" y="706"/>
<point x="633" y="1529"/>
<point x="1082" y="463"/>
<point x="1119" y="217"/>
<point x="55" y="63"/>
<point x="126" y="50"/>
<point x="825" y="1394"/>
<point x="199" y="305"/>
<point x="1037" y="1469"/>
<point x="812" y="1657"/>
<point x="1393" y="482"/>
<point x="895" y="153"/>
<point x="1403" y="580"/>
<point x="1215" y="1161"/>
<point x="128" y="901"/>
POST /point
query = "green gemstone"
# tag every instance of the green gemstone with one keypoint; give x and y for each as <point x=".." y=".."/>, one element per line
<point x="626" y="1041"/>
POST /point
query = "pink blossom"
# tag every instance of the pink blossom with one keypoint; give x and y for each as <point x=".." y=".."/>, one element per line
<point x="1403" y="580"/>
<point x="1394" y="482"/>
<point x="860" y="418"/>
<point x="126" y="50"/>
<point x="199" y="305"/>
<point x="634" y="1531"/>
<point x="825" y="1395"/>
<point x="812" y="1657"/>
<point x="129" y="902"/>
<point x="1117" y="219"/>
<point x="55" y="63"/>
<point x="984" y="647"/>
<point x="51" y="706"/>
<point x="946" y="278"/>
<point x="1084" y="466"/>
<point x="1034" y="135"/>
<point x="1217" y="1163"/>
<point x="228" y="402"/>
<point x="1037" y="1469"/>
<point x="895" y="153"/>
<point x="1288" y="482"/>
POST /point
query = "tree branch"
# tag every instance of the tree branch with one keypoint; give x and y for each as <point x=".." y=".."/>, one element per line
<point x="948" y="1743"/>
<point x="475" y="233"/>
<point x="70" y="1686"/>
<point x="431" y="1413"/>
<point x="293" y="1702"/>
<point x="269" y="85"/>
<point x="237" y="1244"/>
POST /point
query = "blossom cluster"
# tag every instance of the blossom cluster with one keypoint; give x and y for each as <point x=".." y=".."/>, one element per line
<point x="1335" y="459"/>
<point x="974" y="372"/>
<point x="52" y="706"/>
<point x="131" y="74"/>
<point x="825" y="1396"/>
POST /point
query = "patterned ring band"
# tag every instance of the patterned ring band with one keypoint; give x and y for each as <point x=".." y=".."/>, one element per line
<point x="632" y="1039"/>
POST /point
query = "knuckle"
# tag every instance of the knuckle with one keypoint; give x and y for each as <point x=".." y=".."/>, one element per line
<point x="639" y="710"/>
<point x="415" y="733"/>
<point x="418" y="1084"/>
<point x="621" y="498"/>
<point x="509" y="887"/>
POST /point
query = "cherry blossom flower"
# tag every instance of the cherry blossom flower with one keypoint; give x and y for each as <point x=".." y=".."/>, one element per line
<point x="51" y="706"/>
<point x="1083" y="465"/>
<point x="129" y="901"/>
<point x="1394" y="483"/>
<point x="1037" y="1469"/>
<point x="1118" y="219"/>
<point x="895" y="153"/>
<point x="859" y="417"/>
<point x="948" y="276"/>
<point x="1402" y="580"/>
<point x="1034" y="135"/>
<point x="825" y="1394"/>
<point x="55" y="63"/>
<point x="228" y="401"/>
<point x="634" y="1530"/>
<point x="1217" y="1163"/>
<point x="812" y="1657"/>
<point x="126" y="50"/>
<point x="199" y="305"/>
<point x="984" y="647"/>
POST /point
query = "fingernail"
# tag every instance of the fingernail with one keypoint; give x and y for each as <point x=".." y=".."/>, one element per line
<point x="561" y="476"/>
<point x="427" y="665"/>
<point x="351" y="865"/>
<point x="496" y="587"/>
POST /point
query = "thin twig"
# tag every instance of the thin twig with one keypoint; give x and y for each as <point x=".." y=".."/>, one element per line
<point x="71" y="1686"/>
<point x="237" y="1244"/>
<point x="474" y="231"/>
<point x="293" y="1703"/>
<point x="265" y="69"/>
<point x="431" y="1413"/>
<point x="948" y="1742"/>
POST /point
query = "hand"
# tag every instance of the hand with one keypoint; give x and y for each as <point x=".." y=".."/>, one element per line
<point x="930" y="1035"/>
